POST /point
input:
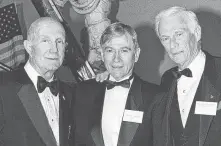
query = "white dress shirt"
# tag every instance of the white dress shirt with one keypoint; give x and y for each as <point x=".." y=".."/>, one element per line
<point x="49" y="102"/>
<point x="187" y="86"/>
<point x="113" y="111"/>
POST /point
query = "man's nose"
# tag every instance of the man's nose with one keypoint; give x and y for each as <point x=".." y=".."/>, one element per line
<point x="54" y="47"/>
<point x="117" y="56"/>
<point x="173" y="44"/>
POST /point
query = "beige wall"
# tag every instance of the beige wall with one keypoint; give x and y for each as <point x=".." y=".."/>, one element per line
<point x="140" y="14"/>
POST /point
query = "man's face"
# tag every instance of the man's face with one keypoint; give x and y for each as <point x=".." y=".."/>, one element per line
<point x="119" y="55"/>
<point x="47" y="50"/>
<point x="178" y="41"/>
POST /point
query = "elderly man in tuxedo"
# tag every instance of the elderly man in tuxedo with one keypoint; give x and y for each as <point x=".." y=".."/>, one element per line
<point x="34" y="102"/>
<point x="188" y="114"/>
<point x="111" y="113"/>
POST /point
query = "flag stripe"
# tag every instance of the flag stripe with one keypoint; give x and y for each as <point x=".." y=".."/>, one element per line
<point x="14" y="63"/>
<point x="14" y="41"/>
<point x="12" y="51"/>
<point x="11" y="55"/>
<point x="15" y="58"/>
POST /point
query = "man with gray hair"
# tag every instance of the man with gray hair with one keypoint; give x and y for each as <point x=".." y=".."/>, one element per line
<point x="188" y="114"/>
<point x="111" y="113"/>
<point x="35" y="103"/>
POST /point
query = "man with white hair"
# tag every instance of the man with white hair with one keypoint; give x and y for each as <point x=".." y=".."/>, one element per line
<point x="34" y="102"/>
<point x="188" y="114"/>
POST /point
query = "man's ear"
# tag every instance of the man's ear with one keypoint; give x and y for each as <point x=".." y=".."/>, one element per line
<point x="28" y="46"/>
<point x="137" y="54"/>
<point x="66" y="44"/>
<point x="102" y="54"/>
<point x="197" y="33"/>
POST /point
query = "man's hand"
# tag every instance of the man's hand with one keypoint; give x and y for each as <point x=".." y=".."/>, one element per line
<point x="102" y="76"/>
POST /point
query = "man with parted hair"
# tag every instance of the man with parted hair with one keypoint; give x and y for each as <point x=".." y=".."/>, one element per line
<point x="35" y="103"/>
<point x="111" y="113"/>
<point x="188" y="113"/>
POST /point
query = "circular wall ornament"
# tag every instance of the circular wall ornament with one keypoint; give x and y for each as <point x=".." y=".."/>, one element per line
<point x="84" y="6"/>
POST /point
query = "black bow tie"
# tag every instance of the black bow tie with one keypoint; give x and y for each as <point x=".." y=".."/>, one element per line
<point x="186" y="72"/>
<point x="42" y="84"/>
<point x="124" y="83"/>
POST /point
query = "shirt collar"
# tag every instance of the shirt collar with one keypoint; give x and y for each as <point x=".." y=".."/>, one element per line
<point x="32" y="73"/>
<point x="198" y="64"/>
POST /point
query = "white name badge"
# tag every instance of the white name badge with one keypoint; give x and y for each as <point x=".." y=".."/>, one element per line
<point x="133" y="116"/>
<point x="206" y="108"/>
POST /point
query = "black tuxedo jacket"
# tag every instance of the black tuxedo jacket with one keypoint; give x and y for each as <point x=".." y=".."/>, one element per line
<point x="24" y="122"/>
<point x="88" y="112"/>
<point x="210" y="126"/>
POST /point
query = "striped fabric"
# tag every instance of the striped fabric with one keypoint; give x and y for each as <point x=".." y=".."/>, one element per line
<point x="12" y="51"/>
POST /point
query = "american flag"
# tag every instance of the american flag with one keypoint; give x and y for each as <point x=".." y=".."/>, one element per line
<point x="12" y="51"/>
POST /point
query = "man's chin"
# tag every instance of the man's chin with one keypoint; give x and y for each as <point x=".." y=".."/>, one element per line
<point x="178" y="60"/>
<point x="52" y="66"/>
<point x="116" y="77"/>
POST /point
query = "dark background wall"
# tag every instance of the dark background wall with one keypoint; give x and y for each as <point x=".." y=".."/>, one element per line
<point x="140" y="14"/>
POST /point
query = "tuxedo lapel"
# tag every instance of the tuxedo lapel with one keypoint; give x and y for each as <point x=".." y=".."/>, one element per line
<point x="209" y="94"/>
<point x="134" y="102"/>
<point x="97" y="136"/>
<point x="64" y="108"/>
<point x="32" y="104"/>
<point x="35" y="111"/>
<point x="166" y="132"/>
<point x="96" y="132"/>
